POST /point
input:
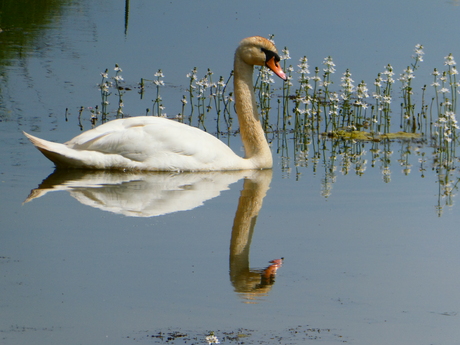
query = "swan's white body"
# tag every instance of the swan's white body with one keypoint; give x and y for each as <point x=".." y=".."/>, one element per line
<point x="159" y="144"/>
<point x="144" y="143"/>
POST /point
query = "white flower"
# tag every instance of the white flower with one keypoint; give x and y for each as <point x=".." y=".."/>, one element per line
<point x="347" y="85"/>
<point x="192" y="74"/>
<point x="316" y="78"/>
<point x="450" y="114"/>
<point x="419" y="52"/>
<point x="104" y="87"/>
<point x="449" y="60"/>
<point x="285" y="55"/>
<point x="387" y="99"/>
<point x="303" y="66"/>
<point x="362" y="90"/>
<point x="334" y="97"/>
<point x="329" y="65"/>
<point x="388" y="70"/>
<point x="212" y="339"/>
<point x="203" y="83"/>
<point x="407" y="75"/>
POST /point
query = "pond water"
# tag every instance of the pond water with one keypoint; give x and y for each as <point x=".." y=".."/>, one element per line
<point x="370" y="249"/>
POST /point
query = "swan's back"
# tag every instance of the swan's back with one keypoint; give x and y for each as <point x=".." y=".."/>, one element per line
<point x="142" y="143"/>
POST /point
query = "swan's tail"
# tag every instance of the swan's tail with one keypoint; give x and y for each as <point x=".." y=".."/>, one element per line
<point x="55" y="152"/>
<point x="64" y="156"/>
<point x="39" y="143"/>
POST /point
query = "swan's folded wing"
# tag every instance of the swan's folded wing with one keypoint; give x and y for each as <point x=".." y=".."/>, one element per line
<point x="153" y="139"/>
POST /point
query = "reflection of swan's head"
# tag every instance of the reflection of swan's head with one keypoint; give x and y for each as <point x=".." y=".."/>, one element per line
<point x="259" y="51"/>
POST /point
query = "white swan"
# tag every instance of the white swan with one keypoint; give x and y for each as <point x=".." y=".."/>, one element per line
<point x="159" y="144"/>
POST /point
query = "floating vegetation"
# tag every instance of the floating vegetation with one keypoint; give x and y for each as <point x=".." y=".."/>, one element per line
<point x="312" y="123"/>
<point x="239" y="336"/>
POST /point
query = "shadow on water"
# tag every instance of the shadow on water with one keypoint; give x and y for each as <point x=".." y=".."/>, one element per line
<point x="148" y="194"/>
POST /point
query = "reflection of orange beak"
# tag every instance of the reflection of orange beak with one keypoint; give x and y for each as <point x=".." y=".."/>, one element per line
<point x="277" y="262"/>
<point x="270" y="271"/>
<point x="276" y="68"/>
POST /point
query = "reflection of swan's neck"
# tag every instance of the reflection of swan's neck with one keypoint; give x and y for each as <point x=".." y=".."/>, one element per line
<point x="253" y="137"/>
<point x="249" y="205"/>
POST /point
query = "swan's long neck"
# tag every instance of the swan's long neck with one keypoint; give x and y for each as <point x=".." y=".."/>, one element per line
<point x="255" y="145"/>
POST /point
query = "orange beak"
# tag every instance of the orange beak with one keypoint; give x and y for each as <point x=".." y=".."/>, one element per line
<point x="276" y="68"/>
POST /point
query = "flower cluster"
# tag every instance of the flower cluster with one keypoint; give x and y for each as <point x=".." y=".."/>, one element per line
<point x="330" y="65"/>
<point x="157" y="106"/>
<point x="347" y="86"/>
<point x="418" y="53"/>
<point x="446" y="124"/>
<point x="212" y="339"/>
<point x="406" y="77"/>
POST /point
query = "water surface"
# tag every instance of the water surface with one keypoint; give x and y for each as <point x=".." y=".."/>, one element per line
<point x="110" y="259"/>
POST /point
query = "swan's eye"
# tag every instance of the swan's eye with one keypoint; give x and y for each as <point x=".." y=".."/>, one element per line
<point x="270" y="55"/>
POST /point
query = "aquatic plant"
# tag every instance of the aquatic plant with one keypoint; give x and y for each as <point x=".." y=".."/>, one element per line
<point x="118" y="79"/>
<point x="212" y="339"/>
<point x="315" y="120"/>
<point x="104" y="87"/>
<point x="157" y="107"/>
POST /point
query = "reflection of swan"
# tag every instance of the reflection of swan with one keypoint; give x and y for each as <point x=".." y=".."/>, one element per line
<point x="139" y="194"/>
<point x="146" y="194"/>
<point x="158" y="144"/>
<point x="251" y="283"/>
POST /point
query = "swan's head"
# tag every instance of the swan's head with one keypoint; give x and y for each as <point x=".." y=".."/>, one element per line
<point x="259" y="51"/>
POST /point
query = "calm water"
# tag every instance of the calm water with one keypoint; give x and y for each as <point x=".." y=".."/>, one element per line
<point x="113" y="258"/>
